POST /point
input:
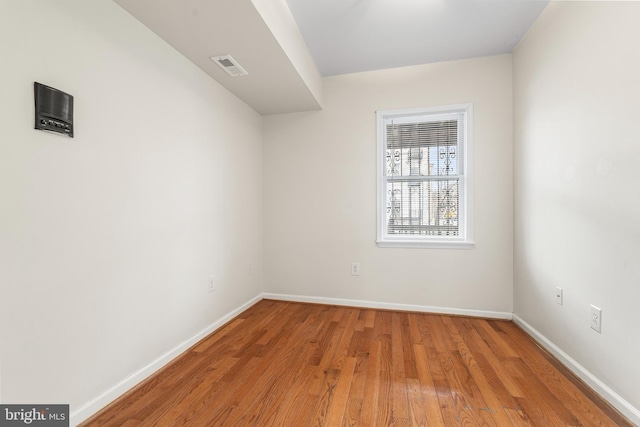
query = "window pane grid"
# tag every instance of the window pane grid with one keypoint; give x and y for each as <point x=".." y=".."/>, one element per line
<point x="422" y="161"/>
<point x="422" y="178"/>
<point x="427" y="208"/>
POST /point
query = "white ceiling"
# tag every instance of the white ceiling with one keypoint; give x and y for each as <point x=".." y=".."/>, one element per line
<point x="342" y="36"/>
<point x="200" y="29"/>
<point x="347" y="36"/>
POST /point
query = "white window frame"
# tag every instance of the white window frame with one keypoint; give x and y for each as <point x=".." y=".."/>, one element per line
<point x="464" y="240"/>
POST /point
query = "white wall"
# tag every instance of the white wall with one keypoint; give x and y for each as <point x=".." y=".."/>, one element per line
<point x="577" y="202"/>
<point x="320" y="192"/>
<point x="107" y="240"/>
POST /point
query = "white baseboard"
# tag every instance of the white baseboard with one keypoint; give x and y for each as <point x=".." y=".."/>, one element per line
<point x="108" y="396"/>
<point x="389" y="306"/>
<point x="628" y="410"/>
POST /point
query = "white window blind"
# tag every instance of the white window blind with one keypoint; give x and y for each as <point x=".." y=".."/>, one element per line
<point x="424" y="177"/>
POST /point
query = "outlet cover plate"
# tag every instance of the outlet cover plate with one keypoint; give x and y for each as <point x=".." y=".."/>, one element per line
<point x="355" y="268"/>
<point x="559" y="296"/>
<point x="596" y="318"/>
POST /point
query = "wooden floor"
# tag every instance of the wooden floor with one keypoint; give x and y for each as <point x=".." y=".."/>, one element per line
<point x="291" y="364"/>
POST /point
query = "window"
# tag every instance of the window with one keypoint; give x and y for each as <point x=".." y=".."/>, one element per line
<point x="424" y="179"/>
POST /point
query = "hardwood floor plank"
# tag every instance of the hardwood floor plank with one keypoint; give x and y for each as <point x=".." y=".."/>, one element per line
<point x="385" y="382"/>
<point x="370" y="318"/>
<point x="550" y="409"/>
<point x="495" y="340"/>
<point x="430" y="398"/>
<point x="417" y="415"/>
<point x="291" y="364"/>
<point x="341" y="394"/>
<point x="410" y="370"/>
<point x="259" y="374"/>
<point x="162" y="387"/>
<point x="289" y="351"/>
<point x="326" y="361"/>
<point x="290" y="401"/>
<point x="260" y="408"/>
<point x="493" y="404"/>
<point x="518" y="418"/>
<point x="446" y="398"/>
<point x="369" y="413"/>
<point x="281" y="398"/>
<point x="347" y="336"/>
<point x="323" y="399"/>
<point x="189" y="402"/>
<point x="298" y="408"/>
<point x="558" y="383"/>
<point x="223" y="332"/>
<point x="465" y="394"/>
<point x="356" y="394"/>
<point x="482" y="348"/>
<point x="399" y="403"/>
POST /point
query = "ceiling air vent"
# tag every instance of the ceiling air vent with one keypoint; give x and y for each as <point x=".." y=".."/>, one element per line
<point x="228" y="64"/>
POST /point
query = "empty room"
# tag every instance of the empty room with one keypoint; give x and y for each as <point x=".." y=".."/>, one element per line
<point x="340" y="212"/>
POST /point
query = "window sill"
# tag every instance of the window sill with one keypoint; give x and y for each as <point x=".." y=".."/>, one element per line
<point x="424" y="244"/>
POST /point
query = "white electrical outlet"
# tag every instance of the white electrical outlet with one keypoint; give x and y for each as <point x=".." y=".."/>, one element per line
<point x="596" y="318"/>
<point x="355" y="268"/>
<point x="212" y="284"/>
<point x="559" y="296"/>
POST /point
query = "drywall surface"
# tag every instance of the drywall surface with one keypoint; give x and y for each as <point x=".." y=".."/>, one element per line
<point x="280" y="21"/>
<point x="320" y="192"/>
<point x="107" y="240"/>
<point x="577" y="204"/>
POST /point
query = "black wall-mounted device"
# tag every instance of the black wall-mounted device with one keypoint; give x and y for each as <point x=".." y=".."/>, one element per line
<point x="54" y="110"/>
